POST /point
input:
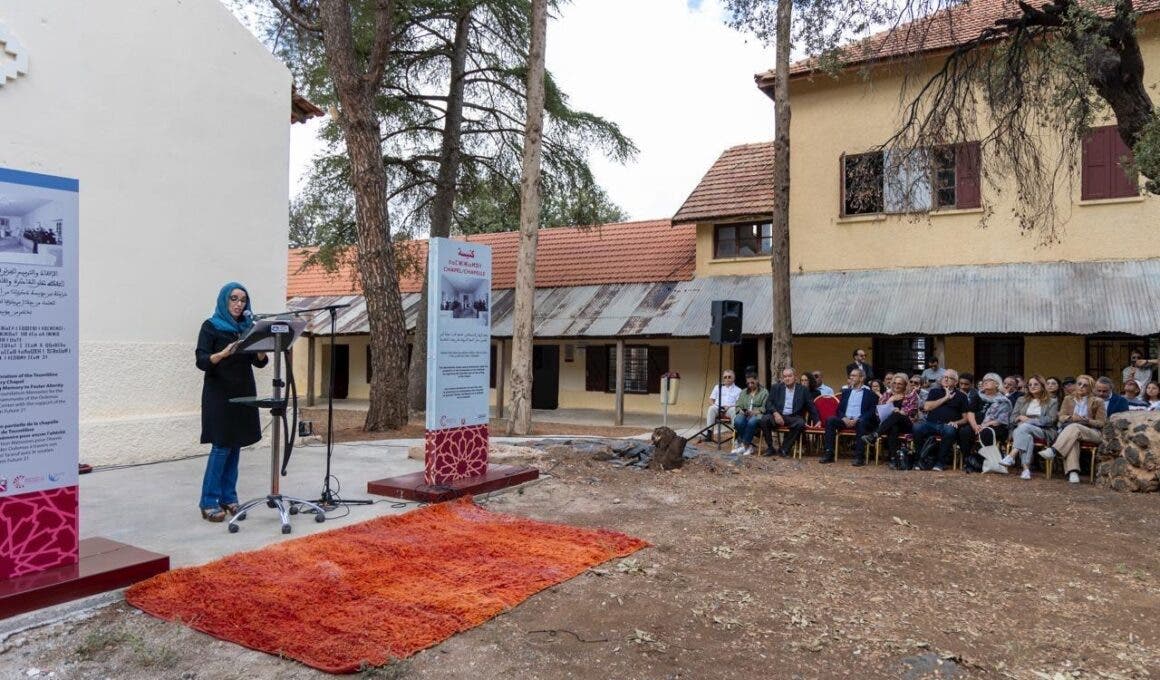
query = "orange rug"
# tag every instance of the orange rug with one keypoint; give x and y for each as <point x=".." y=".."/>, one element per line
<point x="381" y="590"/>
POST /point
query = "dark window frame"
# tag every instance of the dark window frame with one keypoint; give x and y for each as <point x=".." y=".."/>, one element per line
<point x="919" y="356"/>
<point x="954" y="172"/>
<point x="760" y="239"/>
<point x="985" y="357"/>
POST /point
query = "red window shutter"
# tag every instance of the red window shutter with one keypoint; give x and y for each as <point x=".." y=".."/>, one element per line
<point x="1094" y="174"/>
<point x="968" y="188"/>
<point x="1120" y="181"/>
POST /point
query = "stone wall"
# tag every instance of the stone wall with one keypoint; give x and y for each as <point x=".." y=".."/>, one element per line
<point x="1130" y="452"/>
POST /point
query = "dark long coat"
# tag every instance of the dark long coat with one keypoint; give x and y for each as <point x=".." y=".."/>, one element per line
<point x="223" y="423"/>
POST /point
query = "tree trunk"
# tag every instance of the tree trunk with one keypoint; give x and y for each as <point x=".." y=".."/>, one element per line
<point x="521" y="406"/>
<point x="444" y="200"/>
<point x="356" y="90"/>
<point x="781" y="354"/>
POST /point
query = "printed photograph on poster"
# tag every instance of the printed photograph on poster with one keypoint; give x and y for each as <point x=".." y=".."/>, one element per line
<point x="33" y="225"/>
<point x="464" y="297"/>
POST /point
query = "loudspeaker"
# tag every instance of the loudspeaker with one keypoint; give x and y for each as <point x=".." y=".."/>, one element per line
<point x="726" y="328"/>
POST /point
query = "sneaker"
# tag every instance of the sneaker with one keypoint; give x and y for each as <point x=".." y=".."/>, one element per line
<point x="1007" y="461"/>
<point x="1026" y="474"/>
<point x="1073" y="477"/>
<point x="937" y="468"/>
<point x="749" y="451"/>
<point x="738" y="449"/>
<point x="1048" y="453"/>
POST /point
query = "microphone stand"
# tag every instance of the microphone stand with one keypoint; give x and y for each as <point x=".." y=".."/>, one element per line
<point x="329" y="499"/>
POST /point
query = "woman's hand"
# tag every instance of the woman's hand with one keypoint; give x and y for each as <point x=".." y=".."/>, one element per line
<point x="226" y="351"/>
<point x="261" y="356"/>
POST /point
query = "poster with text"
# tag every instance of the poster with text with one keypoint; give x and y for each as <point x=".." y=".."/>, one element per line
<point x="38" y="372"/>
<point x="458" y="359"/>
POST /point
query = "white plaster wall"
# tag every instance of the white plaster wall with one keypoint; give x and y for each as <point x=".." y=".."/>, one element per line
<point x="175" y="120"/>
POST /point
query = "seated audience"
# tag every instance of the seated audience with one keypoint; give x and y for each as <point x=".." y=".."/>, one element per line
<point x="1081" y="418"/>
<point x="791" y="406"/>
<point x="876" y="387"/>
<point x="855" y="411"/>
<point x="993" y="410"/>
<point x="807" y="381"/>
<point x="1068" y="386"/>
<point x="722" y="399"/>
<point x="944" y="407"/>
<point x="1055" y="390"/>
<point x="861" y="364"/>
<point x="917" y="385"/>
<point x="1011" y="388"/>
<point x="967" y="384"/>
<point x="1132" y="392"/>
<point x="1113" y="403"/>
<point x="1139" y="368"/>
<point x="825" y="389"/>
<point x="748" y="409"/>
<point x="904" y="398"/>
<point x="1152" y="395"/>
<point x="932" y="374"/>
<point x="1033" y="418"/>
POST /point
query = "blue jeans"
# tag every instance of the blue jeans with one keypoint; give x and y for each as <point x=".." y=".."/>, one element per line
<point x="220" y="484"/>
<point x="946" y="450"/>
<point x="746" y="427"/>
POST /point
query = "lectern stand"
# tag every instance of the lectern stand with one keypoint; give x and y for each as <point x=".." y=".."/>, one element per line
<point x="273" y="335"/>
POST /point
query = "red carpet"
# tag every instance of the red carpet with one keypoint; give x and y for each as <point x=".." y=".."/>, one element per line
<point x="380" y="590"/>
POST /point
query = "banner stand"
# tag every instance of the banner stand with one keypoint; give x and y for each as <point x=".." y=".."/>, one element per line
<point x="42" y="562"/>
<point x="458" y="370"/>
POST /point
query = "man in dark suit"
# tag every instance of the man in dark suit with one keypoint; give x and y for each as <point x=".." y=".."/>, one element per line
<point x="857" y="411"/>
<point x="789" y="406"/>
<point x="861" y="364"/>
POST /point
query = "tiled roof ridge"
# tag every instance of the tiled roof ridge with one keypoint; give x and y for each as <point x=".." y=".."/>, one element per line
<point x="938" y="30"/>
<point x="747" y="171"/>
<point x="622" y="252"/>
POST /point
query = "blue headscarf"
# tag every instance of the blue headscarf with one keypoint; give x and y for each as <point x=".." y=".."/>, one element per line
<point x="222" y="319"/>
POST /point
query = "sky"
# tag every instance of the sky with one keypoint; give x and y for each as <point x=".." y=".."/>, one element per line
<point x="669" y="72"/>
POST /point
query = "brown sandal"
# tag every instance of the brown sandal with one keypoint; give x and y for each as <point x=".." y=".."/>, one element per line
<point x="230" y="508"/>
<point x="213" y="515"/>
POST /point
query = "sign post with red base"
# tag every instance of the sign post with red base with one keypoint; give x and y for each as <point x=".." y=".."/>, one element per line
<point x="42" y="560"/>
<point x="458" y="370"/>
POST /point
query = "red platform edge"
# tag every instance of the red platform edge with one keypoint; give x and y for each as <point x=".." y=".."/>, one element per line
<point x="104" y="565"/>
<point x="412" y="487"/>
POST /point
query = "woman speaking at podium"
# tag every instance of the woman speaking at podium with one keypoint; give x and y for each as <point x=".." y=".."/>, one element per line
<point x="226" y="427"/>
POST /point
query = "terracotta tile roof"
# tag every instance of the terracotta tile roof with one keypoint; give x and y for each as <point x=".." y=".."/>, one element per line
<point x="940" y="31"/>
<point x="302" y="109"/>
<point x="740" y="184"/>
<point x="627" y="252"/>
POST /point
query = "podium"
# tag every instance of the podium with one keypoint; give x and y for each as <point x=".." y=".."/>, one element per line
<point x="273" y="335"/>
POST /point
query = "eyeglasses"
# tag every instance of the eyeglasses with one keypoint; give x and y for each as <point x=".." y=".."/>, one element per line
<point x="237" y="298"/>
<point x="726" y="377"/>
<point x="915" y="382"/>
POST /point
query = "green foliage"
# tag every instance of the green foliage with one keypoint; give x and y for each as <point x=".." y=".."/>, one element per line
<point x="1146" y="153"/>
<point x="412" y="106"/>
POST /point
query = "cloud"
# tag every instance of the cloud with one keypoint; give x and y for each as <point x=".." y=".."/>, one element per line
<point x="677" y="80"/>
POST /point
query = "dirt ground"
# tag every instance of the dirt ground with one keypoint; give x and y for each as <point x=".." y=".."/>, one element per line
<point x="764" y="569"/>
<point x="348" y="427"/>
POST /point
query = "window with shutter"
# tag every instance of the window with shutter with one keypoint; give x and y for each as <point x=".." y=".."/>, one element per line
<point x="596" y="368"/>
<point x="968" y="166"/>
<point x="1102" y="172"/>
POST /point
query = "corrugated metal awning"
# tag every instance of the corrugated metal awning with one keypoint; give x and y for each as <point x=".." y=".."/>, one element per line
<point x="1081" y="298"/>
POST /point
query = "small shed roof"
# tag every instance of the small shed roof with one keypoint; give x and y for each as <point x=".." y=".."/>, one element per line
<point x="739" y="184"/>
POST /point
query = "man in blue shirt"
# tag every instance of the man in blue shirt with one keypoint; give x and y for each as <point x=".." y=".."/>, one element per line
<point x="945" y="407"/>
<point x="856" y="411"/>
